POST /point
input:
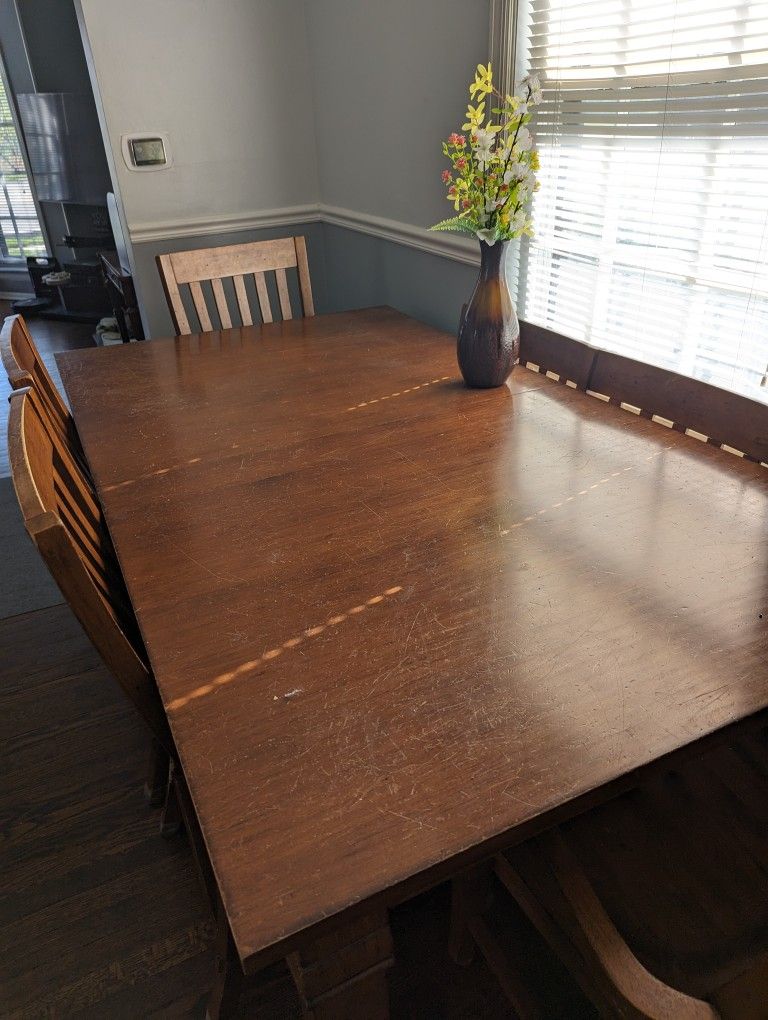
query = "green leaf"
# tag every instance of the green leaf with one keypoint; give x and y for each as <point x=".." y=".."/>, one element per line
<point x="462" y="225"/>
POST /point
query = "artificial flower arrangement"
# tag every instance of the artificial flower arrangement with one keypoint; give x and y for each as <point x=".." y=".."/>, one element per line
<point x="493" y="172"/>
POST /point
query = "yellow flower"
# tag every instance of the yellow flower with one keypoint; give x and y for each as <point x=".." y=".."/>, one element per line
<point x="535" y="163"/>
<point x="483" y="83"/>
<point x="475" y="116"/>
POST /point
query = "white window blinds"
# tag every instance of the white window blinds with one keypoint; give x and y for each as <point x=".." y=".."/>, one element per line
<point x="652" y="218"/>
<point x="20" y="232"/>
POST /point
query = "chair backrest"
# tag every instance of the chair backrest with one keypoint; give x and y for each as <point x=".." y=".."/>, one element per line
<point x="25" y="367"/>
<point x="64" y="519"/>
<point x="236" y="262"/>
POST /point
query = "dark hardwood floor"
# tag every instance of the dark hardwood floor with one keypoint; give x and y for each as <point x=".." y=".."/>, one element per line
<point x="50" y="338"/>
<point x="98" y="914"/>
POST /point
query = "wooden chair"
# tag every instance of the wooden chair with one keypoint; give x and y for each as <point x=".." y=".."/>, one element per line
<point x="24" y="367"/>
<point x="235" y="261"/>
<point x="657" y="902"/>
<point x="64" y="519"/>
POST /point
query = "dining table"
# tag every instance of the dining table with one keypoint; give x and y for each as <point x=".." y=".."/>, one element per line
<point x="398" y="624"/>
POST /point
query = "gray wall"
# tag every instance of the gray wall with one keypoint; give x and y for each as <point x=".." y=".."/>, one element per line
<point x="228" y="82"/>
<point x="390" y="83"/>
<point x="362" y="270"/>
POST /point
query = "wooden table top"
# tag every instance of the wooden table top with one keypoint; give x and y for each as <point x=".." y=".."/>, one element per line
<point x="396" y="622"/>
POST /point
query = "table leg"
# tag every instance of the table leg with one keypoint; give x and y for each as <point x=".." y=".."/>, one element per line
<point x="156" y="785"/>
<point x="471" y="894"/>
<point x="343" y="976"/>
<point x="228" y="981"/>
<point x="171" y="819"/>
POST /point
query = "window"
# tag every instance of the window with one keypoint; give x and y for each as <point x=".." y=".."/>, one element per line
<point x="652" y="218"/>
<point x="20" y="231"/>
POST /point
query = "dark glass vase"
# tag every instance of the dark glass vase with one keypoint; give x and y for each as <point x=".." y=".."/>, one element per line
<point x="489" y="333"/>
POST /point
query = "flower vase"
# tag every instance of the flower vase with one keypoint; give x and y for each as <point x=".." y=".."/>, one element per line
<point x="489" y="333"/>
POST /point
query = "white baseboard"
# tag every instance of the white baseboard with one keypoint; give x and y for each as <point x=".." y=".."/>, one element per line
<point x="452" y="246"/>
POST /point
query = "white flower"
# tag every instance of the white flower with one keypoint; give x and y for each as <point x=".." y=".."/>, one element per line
<point x="516" y="172"/>
<point x="483" y="139"/>
<point x="518" y="221"/>
<point x="483" y="144"/>
<point x="532" y="82"/>
<point x="524" y="140"/>
<point x="489" y="236"/>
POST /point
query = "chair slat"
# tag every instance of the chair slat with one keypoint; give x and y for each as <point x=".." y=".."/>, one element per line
<point x="80" y="510"/>
<point x="173" y="296"/>
<point x="98" y="560"/>
<point x="264" y="305"/>
<point x="221" y="303"/>
<point x="242" y="300"/>
<point x="200" y="306"/>
<point x="304" y="281"/>
<point x="282" y="290"/>
<point x="85" y="532"/>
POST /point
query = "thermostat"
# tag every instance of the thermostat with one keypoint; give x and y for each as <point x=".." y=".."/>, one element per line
<point x="146" y="152"/>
